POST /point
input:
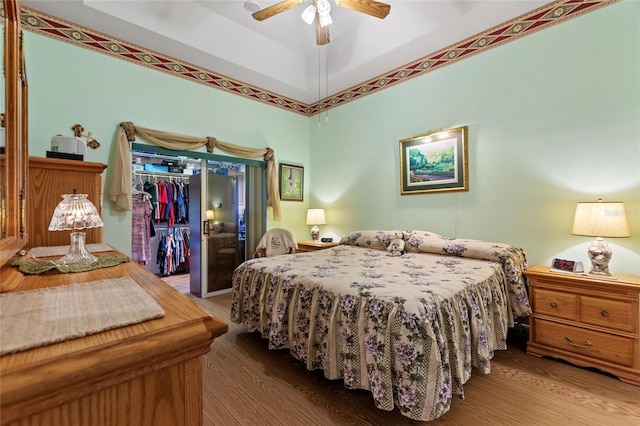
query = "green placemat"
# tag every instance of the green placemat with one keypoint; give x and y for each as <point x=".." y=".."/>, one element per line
<point x="37" y="267"/>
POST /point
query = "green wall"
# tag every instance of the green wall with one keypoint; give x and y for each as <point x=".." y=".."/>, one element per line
<point x="553" y="119"/>
<point x="69" y="85"/>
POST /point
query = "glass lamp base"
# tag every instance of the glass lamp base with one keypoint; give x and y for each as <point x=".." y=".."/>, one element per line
<point x="600" y="254"/>
<point x="78" y="253"/>
<point x="315" y="234"/>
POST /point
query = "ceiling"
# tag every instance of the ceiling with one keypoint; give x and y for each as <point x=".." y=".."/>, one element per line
<point x="279" y="54"/>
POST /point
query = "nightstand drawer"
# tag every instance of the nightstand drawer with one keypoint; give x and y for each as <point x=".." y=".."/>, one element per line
<point x="556" y="304"/>
<point x="592" y="344"/>
<point x="614" y="314"/>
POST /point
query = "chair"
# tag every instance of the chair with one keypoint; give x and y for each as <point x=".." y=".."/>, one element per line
<point x="275" y="242"/>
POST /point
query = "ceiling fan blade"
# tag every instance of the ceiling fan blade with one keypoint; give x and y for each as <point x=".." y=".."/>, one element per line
<point x="370" y="7"/>
<point x="270" y="11"/>
<point x="322" y="33"/>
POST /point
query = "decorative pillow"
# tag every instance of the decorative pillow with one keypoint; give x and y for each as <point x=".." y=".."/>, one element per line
<point x="427" y="242"/>
<point x="378" y="240"/>
<point x="217" y="227"/>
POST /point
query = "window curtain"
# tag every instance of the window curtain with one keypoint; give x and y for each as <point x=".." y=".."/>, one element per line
<point x="254" y="217"/>
<point x="120" y="188"/>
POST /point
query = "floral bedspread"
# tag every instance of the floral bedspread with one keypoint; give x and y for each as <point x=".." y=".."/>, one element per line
<point x="407" y="328"/>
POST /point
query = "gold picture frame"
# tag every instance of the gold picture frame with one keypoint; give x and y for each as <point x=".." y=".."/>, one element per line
<point x="434" y="162"/>
<point x="291" y="182"/>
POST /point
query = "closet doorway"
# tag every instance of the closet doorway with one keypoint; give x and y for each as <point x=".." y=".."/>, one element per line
<point x="219" y="203"/>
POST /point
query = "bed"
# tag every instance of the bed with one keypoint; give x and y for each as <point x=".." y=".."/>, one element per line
<point x="407" y="328"/>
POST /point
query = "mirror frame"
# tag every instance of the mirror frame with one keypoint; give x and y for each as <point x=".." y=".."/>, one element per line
<point x="16" y="151"/>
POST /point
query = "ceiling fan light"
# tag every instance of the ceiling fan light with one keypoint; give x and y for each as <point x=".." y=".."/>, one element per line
<point x="251" y="6"/>
<point x="324" y="7"/>
<point x="309" y="14"/>
<point x="325" y="20"/>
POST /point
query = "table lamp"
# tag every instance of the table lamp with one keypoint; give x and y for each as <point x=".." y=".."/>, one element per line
<point x="598" y="219"/>
<point x="76" y="213"/>
<point x="315" y="217"/>
<point x="209" y="216"/>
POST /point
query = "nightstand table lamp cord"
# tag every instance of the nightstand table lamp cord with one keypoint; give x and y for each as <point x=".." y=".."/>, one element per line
<point x="599" y="219"/>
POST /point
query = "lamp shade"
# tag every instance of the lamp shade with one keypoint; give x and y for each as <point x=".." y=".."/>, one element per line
<point x="316" y="217"/>
<point x="75" y="212"/>
<point x="599" y="219"/>
<point x="209" y="215"/>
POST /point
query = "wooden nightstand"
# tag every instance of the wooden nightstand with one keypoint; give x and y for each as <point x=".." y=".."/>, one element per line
<point x="305" y="246"/>
<point x="588" y="321"/>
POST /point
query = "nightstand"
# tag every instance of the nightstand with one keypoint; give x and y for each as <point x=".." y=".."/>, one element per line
<point x="586" y="320"/>
<point x="305" y="246"/>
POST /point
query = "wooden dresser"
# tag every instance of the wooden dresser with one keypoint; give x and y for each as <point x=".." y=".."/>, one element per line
<point x="49" y="178"/>
<point x="144" y="374"/>
<point x="588" y="321"/>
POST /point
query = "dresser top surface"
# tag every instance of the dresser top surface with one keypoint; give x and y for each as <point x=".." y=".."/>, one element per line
<point x="546" y="271"/>
<point x="185" y="326"/>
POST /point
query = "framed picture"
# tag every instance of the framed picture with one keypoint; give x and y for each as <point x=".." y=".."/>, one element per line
<point x="291" y="182"/>
<point x="434" y="162"/>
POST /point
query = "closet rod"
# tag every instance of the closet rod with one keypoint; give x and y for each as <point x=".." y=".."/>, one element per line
<point x="162" y="174"/>
<point x="165" y="227"/>
<point x="180" y="158"/>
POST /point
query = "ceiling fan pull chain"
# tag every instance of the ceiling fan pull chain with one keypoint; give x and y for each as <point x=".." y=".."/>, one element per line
<point x="319" y="92"/>
<point x="326" y="86"/>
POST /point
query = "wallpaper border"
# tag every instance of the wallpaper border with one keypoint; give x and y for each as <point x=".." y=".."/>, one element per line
<point x="541" y="18"/>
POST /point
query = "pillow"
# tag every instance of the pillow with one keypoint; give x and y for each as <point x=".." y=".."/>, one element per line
<point x="378" y="240"/>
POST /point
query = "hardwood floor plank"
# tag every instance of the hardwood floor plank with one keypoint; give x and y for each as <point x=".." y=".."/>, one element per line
<point x="247" y="384"/>
<point x="178" y="281"/>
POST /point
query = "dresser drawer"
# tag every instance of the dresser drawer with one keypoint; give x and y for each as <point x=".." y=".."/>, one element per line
<point x="556" y="304"/>
<point x="613" y="314"/>
<point x="593" y="344"/>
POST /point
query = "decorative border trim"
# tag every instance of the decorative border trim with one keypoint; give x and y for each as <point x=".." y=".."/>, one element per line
<point x="541" y="18"/>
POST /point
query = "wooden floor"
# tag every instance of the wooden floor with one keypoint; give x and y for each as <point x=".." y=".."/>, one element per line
<point x="247" y="384"/>
<point x="178" y="281"/>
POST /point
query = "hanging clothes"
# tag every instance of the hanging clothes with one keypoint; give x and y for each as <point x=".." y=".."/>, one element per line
<point x="152" y="189"/>
<point x="163" y="200"/>
<point x="169" y="214"/>
<point x="141" y="229"/>
<point x="173" y="251"/>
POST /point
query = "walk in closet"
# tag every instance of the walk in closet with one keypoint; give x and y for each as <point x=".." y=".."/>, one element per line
<point x="189" y="216"/>
<point x="160" y="224"/>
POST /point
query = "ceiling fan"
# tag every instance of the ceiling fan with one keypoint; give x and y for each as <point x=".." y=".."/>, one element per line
<point x="319" y="11"/>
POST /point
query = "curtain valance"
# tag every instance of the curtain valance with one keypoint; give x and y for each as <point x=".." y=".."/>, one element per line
<point x="121" y="185"/>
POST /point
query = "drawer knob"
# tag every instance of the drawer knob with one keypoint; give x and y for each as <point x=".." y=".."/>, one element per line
<point x="604" y="313"/>
<point x="586" y="345"/>
<point x="554" y="305"/>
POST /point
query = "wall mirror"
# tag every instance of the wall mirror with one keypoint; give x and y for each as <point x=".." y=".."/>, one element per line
<point x="14" y="160"/>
